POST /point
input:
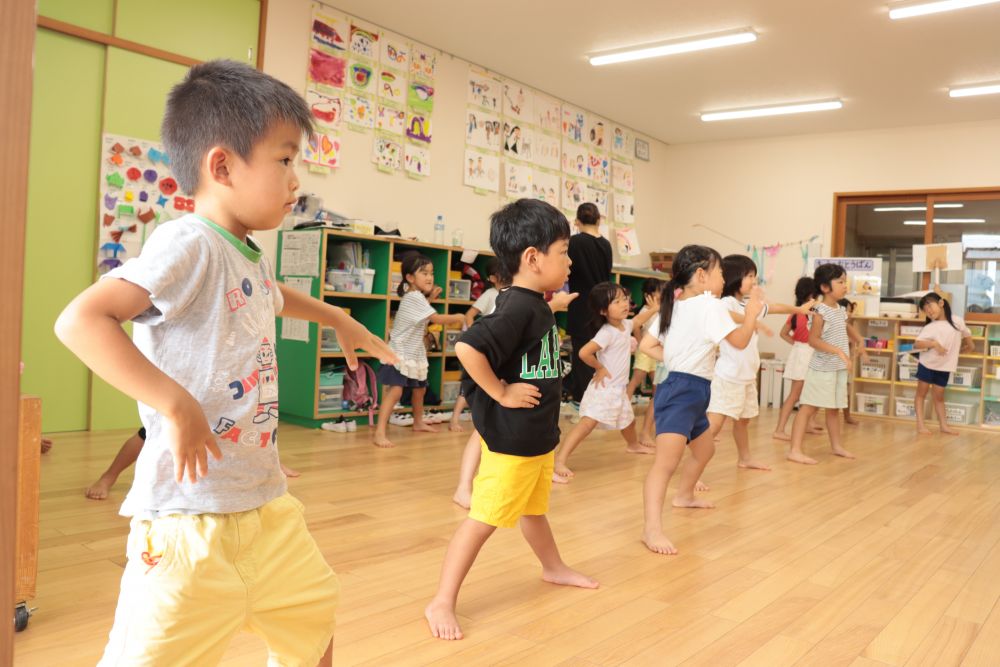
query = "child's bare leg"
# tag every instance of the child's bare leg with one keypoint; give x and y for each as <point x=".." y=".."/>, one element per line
<point x="669" y="449"/>
<point x="462" y="551"/>
<point x="848" y="417"/>
<point x="538" y="534"/>
<point x="648" y="435"/>
<point x="467" y="472"/>
<point x="918" y="407"/>
<point x="799" y="426"/>
<point x="418" y="411"/>
<point x="702" y="450"/>
<point x="786" y="410"/>
<point x="814" y="426"/>
<point x="289" y="472"/>
<point x="584" y="427"/>
<point x="125" y="457"/>
<point x="833" y="425"/>
<point x="390" y="396"/>
<point x="632" y="444"/>
<point x="937" y="393"/>
<point x="741" y="434"/>
<point x="455" y="425"/>
<point x="638" y="377"/>
<point x="327" y="659"/>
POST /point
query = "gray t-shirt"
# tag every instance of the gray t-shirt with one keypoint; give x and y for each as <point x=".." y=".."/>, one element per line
<point x="211" y="329"/>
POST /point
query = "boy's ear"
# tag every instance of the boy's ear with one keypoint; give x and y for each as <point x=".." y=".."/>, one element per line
<point x="529" y="258"/>
<point x="218" y="161"/>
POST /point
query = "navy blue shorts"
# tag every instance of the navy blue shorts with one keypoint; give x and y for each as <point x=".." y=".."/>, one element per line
<point x="388" y="375"/>
<point x="680" y="405"/>
<point x="938" y="378"/>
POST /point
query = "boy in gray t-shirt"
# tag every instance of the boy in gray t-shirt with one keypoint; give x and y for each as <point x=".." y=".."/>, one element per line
<point x="216" y="546"/>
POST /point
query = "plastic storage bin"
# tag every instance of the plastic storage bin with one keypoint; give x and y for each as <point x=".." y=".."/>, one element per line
<point x="358" y="281"/>
<point x="329" y="342"/>
<point x="959" y="413"/>
<point x="459" y="289"/>
<point x="907" y="372"/>
<point x="965" y="376"/>
<point x="449" y="391"/>
<point x="451" y="337"/>
<point x="906" y="407"/>
<point x="871" y="404"/>
<point x="910" y="329"/>
<point x="876" y="368"/>
<point x="331" y="399"/>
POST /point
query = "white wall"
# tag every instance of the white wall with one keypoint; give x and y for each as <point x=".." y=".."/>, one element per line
<point x="358" y="190"/>
<point x="772" y="190"/>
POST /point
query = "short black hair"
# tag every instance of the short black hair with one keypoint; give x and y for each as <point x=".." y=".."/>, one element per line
<point x="734" y="269"/>
<point x="826" y="274"/>
<point x="652" y="286"/>
<point x="588" y="214"/>
<point x="523" y="224"/>
<point x="224" y="103"/>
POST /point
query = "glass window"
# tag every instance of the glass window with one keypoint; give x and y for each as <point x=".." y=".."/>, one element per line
<point x="881" y="230"/>
<point x="975" y="223"/>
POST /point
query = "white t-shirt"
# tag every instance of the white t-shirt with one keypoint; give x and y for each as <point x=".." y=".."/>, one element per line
<point x="697" y="327"/>
<point x="407" y="335"/>
<point x="737" y="365"/>
<point x="487" y="301"/>
<point x="615" y="352"/>
<point x="211" y="329"/>
<point x="950" y="338"/>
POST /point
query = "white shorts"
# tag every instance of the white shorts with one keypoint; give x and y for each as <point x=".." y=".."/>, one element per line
<point x="825" y="389"/>
<point x="734" y="399"/>
<point x="608" y="406"/>
<point x="798" y="360"/>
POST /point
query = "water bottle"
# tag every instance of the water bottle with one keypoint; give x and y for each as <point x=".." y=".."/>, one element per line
<point x="439" y="230"/>
<point x="456" y="238"/>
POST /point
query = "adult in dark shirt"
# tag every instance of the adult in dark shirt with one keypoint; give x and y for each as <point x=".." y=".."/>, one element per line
<point x="591" y="256"/>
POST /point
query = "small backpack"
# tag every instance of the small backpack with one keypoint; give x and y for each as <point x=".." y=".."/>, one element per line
<point x="360" y="389"/>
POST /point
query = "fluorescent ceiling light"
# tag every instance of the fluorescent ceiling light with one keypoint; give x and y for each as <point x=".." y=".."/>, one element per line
<point x="969" y="91"/>
<point x="948" y="221"/>
<point x="777" y="110"/>
<point x="904" y="10"/>
<point x="685" y="45"/>
<point x="887" y="209"/>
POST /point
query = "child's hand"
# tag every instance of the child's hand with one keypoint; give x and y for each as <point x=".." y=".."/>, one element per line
<point x="863" y="353"/>
<point x="352" y="335"/>
<point x="600" y="376"/>
<point x="764" y="329"/>
<point x="939" y="348"/>
<point x="846" y="357"/>
<point x="755" y="305"/>
<point x="807" y="307"/>
<point x="633" y="344"/>
<point x="520" y="395"/>
<point x="560" y="301"/>
<point x="436" y="292"/>
<point x="190" y="440"/>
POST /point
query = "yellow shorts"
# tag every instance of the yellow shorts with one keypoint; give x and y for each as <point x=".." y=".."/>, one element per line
<point x="508" y="487"/>
<point x="644" y="362"/>
<point x="194" y="581"/>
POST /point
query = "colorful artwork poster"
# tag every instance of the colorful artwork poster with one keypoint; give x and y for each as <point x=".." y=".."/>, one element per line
<point x="329" y="31"/>
<point x="395" y="52"/>
<point x="138" y="191"/>
<point x="545" y="186"/>
<point x="624" y="208"/>
<point x="622" y="177"/>
<point x="392" y="86"/>
<point x="599" y="168"/>
<point x="322" y="149"/>
<point x="420" y="97"/>
<point x="574" y="160"/>
<point x="518" y="141"/>
<point x="597" y="197"/>
<point x="483" y="90"/>
<point x="572" y="193"/>
<point x="327" y="70"/>
<point x="390" y="119"/>
<point x="517" y="180"/>
<point x="574" y="123"/>
<point x="387" y="153"/>
<point x="423" y="62"/>
<point x="417" y="160"/>
<point x="418" y="126"/>
<point x="548" y="114"/>
<point x="483" y="129"/>
<point x="546" y="151"/>
<point x="362" y="76"/>
<point x="481" y="170"/>
<point x="518" y="102"/>
<point x="597" y="132"/>
<point x="628" y="241"/>
<point x="327" y="109"/>
<point x="360" y="111"/>
<point x="364" y="41"/>
<point x="620" y="141"/>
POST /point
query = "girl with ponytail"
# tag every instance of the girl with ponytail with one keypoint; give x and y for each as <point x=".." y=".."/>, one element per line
<point x="940" y="342"/>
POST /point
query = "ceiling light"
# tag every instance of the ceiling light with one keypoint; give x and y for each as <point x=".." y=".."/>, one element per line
<point x="888" y="209"/>
<point x="778" y="110"/>
<point x="904" y="10"/>
<point x="969" y="91"/>
<point x="699" y="43"/>
<point x="948" y="221"/>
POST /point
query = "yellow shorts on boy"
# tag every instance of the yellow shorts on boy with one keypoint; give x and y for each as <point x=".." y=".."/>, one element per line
<point x="508" y="487"/>
<point x="193" y="581"/>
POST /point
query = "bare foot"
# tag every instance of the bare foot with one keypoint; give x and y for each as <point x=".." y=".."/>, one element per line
<point x="567" y="576"/>
<point x="923" y="430"/>
<point x="948" y="431"/>
<point x="800" y="458"/>
<point x="701" y="487"/>
<point x="462" y="498"/>
<point x="645" y="442"/>
<point x="99" y="489"/>
<point x="562" y="471"/>
<point x="289" y="472"/>
<point x="693" y="503"/>
<point x="382" y="441"/>
<point x="559" y="479"/>
<point x="425" y="427"/>
<point x="46" y="445"/>
<point x="840" y="451"/>
<point x="752" y="465"/>
<point x="851" y="420"/>
<point x="813" y="430"/>
<point x="442" y="621"/>
<point x="658" y="543"/>
<point x="781" y="435"/>
<point x="639" y="448"/>
<point x="455" y="427"/>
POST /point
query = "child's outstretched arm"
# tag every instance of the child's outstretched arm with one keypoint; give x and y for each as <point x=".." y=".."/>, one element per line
<point x="518" y="395"/>
<point x="470" y="316"/>
<point x="351" y="334"/>
<point x="438" y="318"/>
<point x="91" y="327"/>
<point x="786" y="309"/>
<point x="560" y="301"/>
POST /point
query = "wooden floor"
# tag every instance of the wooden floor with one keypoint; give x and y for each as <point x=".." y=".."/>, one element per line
<point x="893" y="559"/>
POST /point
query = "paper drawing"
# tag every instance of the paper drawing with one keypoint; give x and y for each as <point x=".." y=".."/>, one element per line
<point x="483" y="90"/>
<point x="322" y="149"/>
<point x="596" y="196"/>
<point x="548" y="114"/>
<point x="546" y="151"/>
<point x="364" y="41"/>
<point x="418" y="126"/>
<point x="390" y="119"/>
<point x="395" y="52"/>
<point x="620" y="140"/>
<point x="360" y="111"/>
<point x="420" y="97"/>
<point x="517" y="180"/>
<point x="329" y="31"/>
<point x="622" y="176"/>
<point x="361" y="75"/>
<point x="392" y="86"/>
<point x="598" y="168"/>
<point x="417" y="160"/>
<point x="574" y="160"/>
<point x="327" y="70"/>
<point x="572" y="193"/>
<point x="481" y="171"/>
<point x="422" y="62"/>
<point x="327" y="109"/>
<point x="387" y="153"/>
<point x="573" y="123"/>
<point x="518" y="102"/>
<point x="483" y="129"/>
<point x="545" y="186"/>
<point x="624" y="208"/>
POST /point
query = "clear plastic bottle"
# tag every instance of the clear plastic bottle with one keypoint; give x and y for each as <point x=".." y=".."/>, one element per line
<point x="457" y="237"/>
<point x="439" y="230"/>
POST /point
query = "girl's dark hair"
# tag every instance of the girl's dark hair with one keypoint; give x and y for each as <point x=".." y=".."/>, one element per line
<point x="588" y="214"/>
<point x="493" y="267"/>
<point x="685" y="265"/>
<point x="847" y="304"/>
<point x="652" y="286"/>
<point x="826" y="274"/>
<point x="941" y="301"/>
<point x="805" y="289"/>
<point x="734" y="269"/>
<point x="412" y="262"/>
<point x="601" y="296"/>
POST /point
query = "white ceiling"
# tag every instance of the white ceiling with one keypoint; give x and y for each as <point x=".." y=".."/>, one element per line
<point x="888" y="73"/>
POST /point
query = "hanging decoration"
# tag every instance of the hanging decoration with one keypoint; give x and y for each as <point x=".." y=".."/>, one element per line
<point x="765" y="256"/>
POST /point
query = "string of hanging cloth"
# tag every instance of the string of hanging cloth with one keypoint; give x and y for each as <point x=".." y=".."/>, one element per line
<point x="764" y="256"/>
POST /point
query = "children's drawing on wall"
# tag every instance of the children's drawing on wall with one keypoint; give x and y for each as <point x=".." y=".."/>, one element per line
<point x="517" y="180"/>
<point x="392" y="86"/>
<point x="546" y="151"/>
<point x="596" y="196"/>
<point x="483" y="129"/>
<point x="574" y="160"/>
<point x="622" y="176"/>
<point x="322" y="149"/>
<point x="518" y="102"/>
<point x="574" y="122"/>
<point x="624" y="208"/>
<point x="390" y="119"/>
<point x="327" y="109"/>
<point x="545" y="186"/>
<point x="628" y="241"/>
<point x="596" y="131"/>
<point x="548" y="114"/>
<point x="422" y="62"/>
<point x="420" y="97"/>
<point x="327" y="70"/>
<point x="387" y="154"/>
<point x="482" y="171"/>
<point x="360" y="112"/>
<point x="620" y="141"/>
<point x="361" y="76"/>
<point x="329" y="31"/>
<point x="418" y="127"/>
<point x="483" y="90"/>
<point x="517" y="140"/>
<point x="598" y="168"/>
<point x="395" y="52"/>
<point x="417" y="160"/>
<point x="572" y="193"/>
<point x="364" y="41"/>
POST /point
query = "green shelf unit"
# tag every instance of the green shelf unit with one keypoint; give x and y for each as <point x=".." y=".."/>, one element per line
<point x="633" y="280"/>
